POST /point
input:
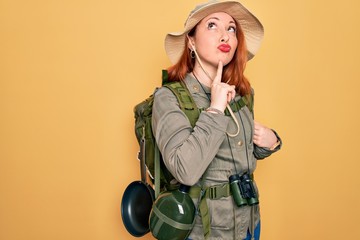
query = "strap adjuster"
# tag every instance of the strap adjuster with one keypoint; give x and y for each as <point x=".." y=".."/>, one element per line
<point x="218" y="191"/>
<point x="212" y="192"/>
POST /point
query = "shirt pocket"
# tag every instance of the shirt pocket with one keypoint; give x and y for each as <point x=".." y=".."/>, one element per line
<point x="221" y="213"/>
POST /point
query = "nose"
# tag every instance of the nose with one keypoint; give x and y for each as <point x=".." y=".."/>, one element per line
<point x="224" y="37"/>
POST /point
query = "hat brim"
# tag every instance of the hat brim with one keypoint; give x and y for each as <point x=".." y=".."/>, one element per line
<point x="250" y="25"/>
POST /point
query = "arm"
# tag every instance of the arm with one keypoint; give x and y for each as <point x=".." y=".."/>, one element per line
<point x="187" y="152"/>
<point x="266" y="141"/>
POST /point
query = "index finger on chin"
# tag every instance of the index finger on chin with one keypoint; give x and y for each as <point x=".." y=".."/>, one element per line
<point x="218" y="73"/>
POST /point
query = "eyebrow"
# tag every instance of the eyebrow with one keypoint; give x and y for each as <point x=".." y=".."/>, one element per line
<point x="216" y="18"/>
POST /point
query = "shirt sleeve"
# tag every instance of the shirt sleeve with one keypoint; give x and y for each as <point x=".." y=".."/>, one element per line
<point x="262" y="152"/>
<point x="186" y="151"/>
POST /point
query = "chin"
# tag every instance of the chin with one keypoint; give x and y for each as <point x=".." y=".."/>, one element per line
<point x="225" y="61"/>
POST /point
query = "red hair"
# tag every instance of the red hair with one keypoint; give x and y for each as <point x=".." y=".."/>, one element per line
<point x="233" y="73"/>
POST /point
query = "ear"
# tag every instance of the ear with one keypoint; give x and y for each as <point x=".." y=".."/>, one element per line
<point x="191" y="43"/>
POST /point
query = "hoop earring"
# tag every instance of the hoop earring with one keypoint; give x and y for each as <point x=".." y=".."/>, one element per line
<point x="192" y="54"/>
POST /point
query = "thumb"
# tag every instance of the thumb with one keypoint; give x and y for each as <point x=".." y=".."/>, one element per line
<point x="218" y="76"/>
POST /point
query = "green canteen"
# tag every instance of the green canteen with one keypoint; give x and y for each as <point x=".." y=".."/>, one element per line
<point x="172" y="215"/>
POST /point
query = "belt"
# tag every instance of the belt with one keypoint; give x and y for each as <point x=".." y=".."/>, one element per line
<point x="212" y="192"/>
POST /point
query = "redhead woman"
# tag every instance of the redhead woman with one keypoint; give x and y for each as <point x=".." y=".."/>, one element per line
<point x="218" y="156"/>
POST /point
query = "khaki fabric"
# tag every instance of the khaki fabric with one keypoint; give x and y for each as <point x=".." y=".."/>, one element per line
<point x="189" y="152"/>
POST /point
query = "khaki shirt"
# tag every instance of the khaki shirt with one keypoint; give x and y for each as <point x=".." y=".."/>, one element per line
<point x="189" y="152"/>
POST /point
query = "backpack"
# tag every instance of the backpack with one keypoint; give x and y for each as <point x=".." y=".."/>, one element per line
<point x="160" y="176"/>
<point x="146" y="139"/>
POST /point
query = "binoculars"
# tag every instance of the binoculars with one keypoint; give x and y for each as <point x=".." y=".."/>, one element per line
<point x="243" y="190"/>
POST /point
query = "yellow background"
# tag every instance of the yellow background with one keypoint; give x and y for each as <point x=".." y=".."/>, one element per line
<point x="71" y="72"/>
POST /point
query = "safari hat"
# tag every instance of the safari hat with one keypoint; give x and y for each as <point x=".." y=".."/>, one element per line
<point x="250" y="25"/>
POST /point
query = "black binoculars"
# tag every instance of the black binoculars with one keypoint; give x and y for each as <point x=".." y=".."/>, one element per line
<point x="243" y="190"/>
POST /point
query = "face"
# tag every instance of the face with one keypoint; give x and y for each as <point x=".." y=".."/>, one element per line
<point x="215" y="39"/>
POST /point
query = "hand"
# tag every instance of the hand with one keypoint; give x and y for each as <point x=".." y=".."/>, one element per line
<point x="221" y="93"/>
<point x="263" y="136"/>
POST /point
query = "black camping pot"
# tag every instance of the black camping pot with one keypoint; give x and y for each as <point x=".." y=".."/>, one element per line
<point x="137" y="202"/>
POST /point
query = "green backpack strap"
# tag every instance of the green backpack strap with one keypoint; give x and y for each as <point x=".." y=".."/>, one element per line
<point x="247" y="100"/>
<point x="157" y="170"/>
<point x="186" y="102"/>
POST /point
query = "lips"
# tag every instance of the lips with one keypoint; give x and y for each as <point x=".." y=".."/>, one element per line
<point x="224" y="47"/>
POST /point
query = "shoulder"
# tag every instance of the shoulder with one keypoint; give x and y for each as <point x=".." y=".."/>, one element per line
<point x="162" y="92"/>
<point x="172" y="92"/>
<point x="163" y="96"/>
<point x="171" y="89"/>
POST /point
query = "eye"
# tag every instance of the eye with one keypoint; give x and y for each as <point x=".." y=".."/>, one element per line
<point x="232" y="29"/>
<point x="211" y="25"/>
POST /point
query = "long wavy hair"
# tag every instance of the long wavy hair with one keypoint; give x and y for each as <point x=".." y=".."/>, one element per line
<point x="233" y="72"/>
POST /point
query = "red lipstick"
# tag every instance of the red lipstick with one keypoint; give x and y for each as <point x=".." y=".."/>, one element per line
<point x="224" y="47"/>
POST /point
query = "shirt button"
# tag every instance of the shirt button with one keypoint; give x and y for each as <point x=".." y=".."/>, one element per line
<point x="240" y="143"/>
<point x="196" y="88"/>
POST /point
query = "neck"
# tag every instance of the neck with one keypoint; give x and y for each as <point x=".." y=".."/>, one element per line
<point x="203" y="75"/>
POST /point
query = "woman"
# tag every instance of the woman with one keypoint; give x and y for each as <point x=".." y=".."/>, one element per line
<point x="210" y="57"/>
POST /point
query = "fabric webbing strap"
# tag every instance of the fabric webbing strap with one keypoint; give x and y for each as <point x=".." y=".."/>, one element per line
<point x="165" y="219"/>
<point x="186" y="102"/>
<point x="205" y="217"/>
<point x="157" y="170"/>
<point x="242" y="102"/>
<point x="212" y="192"/>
